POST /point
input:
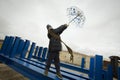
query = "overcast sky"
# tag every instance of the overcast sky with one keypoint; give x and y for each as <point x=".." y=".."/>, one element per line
<point x="99" y="34"/>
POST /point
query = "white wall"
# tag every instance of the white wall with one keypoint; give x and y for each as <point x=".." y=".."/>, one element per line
<point x="99" y="35"/>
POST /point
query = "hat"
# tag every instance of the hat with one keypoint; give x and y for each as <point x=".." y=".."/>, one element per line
<point x="49" y="26"/>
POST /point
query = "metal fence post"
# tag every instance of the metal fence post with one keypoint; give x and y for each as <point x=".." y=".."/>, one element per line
<point x="31" y="50"/>
<point x="44" y="53"/>
<point x="14" y="48"/>
<point x="91" y="68"/>
<point x="9" y="46"/>
<point x="4" y="45"/>
<point x="83" y="62"/>
<point x="40" y="52"/>
<point x="98" y="67"/>
<point x="25" y="49"/>
<point x="36" y="51"/>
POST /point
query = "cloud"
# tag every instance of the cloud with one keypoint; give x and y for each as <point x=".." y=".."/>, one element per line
<point x="28" y="19"/>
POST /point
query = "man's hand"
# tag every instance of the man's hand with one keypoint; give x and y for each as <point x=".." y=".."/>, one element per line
<point x="66" y="25"/>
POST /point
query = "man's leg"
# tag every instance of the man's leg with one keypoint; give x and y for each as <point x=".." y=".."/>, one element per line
<point x="57" y="65"/>
<point x="57" y="62"/>
<point x="48" y="63"/>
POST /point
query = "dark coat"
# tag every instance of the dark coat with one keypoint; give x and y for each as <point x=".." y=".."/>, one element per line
<point x="54" y="44"/>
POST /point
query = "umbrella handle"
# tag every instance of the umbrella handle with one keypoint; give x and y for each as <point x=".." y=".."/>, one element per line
<point x="72" y="19"/>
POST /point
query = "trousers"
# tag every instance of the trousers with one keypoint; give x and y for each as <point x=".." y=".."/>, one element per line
<point x="53" y="56"/>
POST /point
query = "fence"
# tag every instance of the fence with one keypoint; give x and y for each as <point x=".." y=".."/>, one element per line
<point x="14" y="50"/>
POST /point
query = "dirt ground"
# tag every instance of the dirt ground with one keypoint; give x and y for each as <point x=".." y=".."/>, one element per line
<point x="6" y="73"/>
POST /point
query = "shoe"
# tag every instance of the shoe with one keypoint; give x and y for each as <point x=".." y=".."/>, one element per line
<point x="59" y="75"/>
<point x="46" y="73"/>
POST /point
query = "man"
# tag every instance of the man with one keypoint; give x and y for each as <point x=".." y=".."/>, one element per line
<point x="54" y="48"/>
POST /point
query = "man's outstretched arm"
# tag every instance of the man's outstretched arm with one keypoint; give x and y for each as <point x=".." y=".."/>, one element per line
<point x="61" y="28"/>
